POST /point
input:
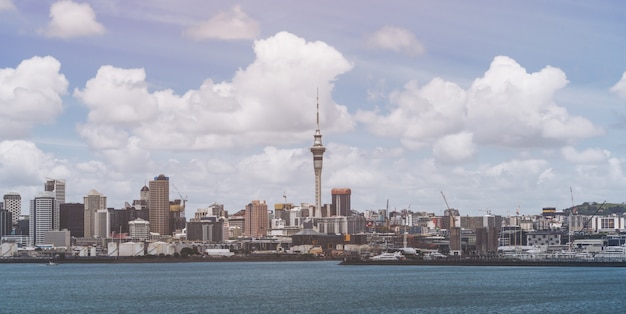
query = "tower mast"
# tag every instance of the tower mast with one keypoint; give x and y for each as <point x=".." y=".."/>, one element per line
<point x="318" y="150"/>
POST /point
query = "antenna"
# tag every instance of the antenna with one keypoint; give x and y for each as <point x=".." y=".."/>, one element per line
<point x="318" y="108"/>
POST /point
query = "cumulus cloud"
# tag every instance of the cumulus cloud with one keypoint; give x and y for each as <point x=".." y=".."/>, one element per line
<point x="509" y="106"/>
<point x="420" y="115"/>
<point x="506" y="107"/>
<point x="30" y="95"/>
<point x="396" y="39"/>
<point x="620" y="87"/>
<point x="454" y="148"/>
<point x="6" y="5"/>
<point x="588" y="156"/>
<point x="70" y="19"/>
<point x="232" y="25"/>
<point x="270" y="102"/>
<point x="22" y="163"/>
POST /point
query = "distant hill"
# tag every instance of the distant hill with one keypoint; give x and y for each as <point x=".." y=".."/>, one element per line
<point x="587" y="208"/>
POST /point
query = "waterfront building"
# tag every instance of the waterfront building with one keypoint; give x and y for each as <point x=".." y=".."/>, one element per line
<point x="159" y="205"/>
<point x="72" y="218"/>
<point x="256" y="219"/>
<point x="341" y="202"/>
<point x="208" y="229"/>
<point x="94" y="201"/>
<point x="139" y="229"/>
<point x="44" y="217"/>
<point x="58" y="238"/>
<point x="318" y="150"/>
<point x="13" y="203"/>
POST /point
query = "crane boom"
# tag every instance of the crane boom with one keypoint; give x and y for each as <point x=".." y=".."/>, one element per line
<point x="445" y="200"/>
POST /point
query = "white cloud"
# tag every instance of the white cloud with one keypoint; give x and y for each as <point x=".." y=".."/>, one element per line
<point x="22" y="163"/>
<point x="235" y="24"/>
<point x="275" y="166"/>
<point x="396" y="39"/>
<point x="545" y="176"/>
<point x="6" y="5"/>
<point x="270" y="102"/>
<point x="30" y="95"/>
<point x="454" y="148"/>
<point x="421" y="114"/>
<point x="505" y="107"/>
<point x="70" y="19"/>
<point x="620" y="87"/>
<point x="588" y="156"/>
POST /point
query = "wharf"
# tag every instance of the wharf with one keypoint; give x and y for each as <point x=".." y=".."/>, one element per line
<point x="487" y="262"/>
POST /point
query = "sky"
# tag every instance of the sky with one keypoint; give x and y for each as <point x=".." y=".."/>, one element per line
<point x="500" y="106"/>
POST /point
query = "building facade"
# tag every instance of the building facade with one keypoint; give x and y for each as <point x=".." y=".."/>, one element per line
<point x="341" y="202"/>
<point x="44" y="217"/>
<point x="94" y="201"/>
<point x="256" y="219"/>
<point x="13" y="203"/>
<point x="159" y="205"/>
<point x="72" y="218"/>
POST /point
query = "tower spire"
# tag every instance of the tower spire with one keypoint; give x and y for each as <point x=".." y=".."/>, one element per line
<point x="318" y="150"/>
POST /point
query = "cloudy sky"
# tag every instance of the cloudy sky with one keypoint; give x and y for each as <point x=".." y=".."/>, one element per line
<point x="499" y="104"/>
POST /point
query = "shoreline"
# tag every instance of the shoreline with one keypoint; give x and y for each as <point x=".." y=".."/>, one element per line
<point x="161" y="259"/>
<point x="486" y="262"/>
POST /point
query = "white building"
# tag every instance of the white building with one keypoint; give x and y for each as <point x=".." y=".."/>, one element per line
<point x="44" y="217"/>
<point x="139" y="229"/>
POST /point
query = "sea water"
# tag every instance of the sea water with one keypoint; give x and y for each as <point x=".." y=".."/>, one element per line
<point x="307" y="287"/>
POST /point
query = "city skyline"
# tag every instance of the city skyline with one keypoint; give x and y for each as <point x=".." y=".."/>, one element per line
<point x="502" y="106"/>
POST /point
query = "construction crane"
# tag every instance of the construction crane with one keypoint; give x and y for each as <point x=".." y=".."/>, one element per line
<point x="591" y="217"/>
<point x="445" y="200"/>
<point x="183" y="200"/>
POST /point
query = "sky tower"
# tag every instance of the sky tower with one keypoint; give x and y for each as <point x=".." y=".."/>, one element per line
<point x="318" y="152"/>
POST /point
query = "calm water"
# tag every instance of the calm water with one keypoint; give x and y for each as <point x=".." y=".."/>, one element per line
<point x="307" y="287"/>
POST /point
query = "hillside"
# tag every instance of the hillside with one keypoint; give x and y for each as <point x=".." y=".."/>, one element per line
<point x="588" y="208"/>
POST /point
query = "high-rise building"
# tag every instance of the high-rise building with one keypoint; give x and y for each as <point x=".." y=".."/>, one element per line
<point x="13" y="203"/>
<point x="159" y="205"/>
<point x="6" y="222"/>
<point x="318" y="154"/>
<point x="58" y="188"/>
<point x="94" y="201"/>
<point x="256" y="221"/>
<point x="341" y="202"/>
<point x="44" y="217"/>
<point x="72" y="219"/>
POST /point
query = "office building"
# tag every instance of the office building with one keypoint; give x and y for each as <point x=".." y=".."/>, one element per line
<point x="341" y="202"/>
<point x="256" y="219"/>
<point x="58" y="189"/>
<point x="13" y="203"/>
<point x="72" y="218"/>
<point x="94" y="201"/>
<point x="159" y="205"/>
<point x="44" y="217"/>
<point x="6" y="222"/>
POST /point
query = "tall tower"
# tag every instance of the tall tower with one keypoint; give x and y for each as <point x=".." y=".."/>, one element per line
<point x="318" y="154"/>
<point x="159" y="205"/>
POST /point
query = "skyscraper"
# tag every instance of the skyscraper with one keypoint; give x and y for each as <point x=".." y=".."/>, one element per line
<point x="93" y="201"/>
<point x="159" y="205"/>
<point x="44" y="217"/>
<point x="58" y="188"/>
<point x="341" y="202"/>
<point x="13" y="203"/>
<point x="318" y="151"/>
<point x="256" y="220"/>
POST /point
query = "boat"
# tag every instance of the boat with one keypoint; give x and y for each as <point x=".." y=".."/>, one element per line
<point x="51" y="263"/>
<point x="388" y="256"/>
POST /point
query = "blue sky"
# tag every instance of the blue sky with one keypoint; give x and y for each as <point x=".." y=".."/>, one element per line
<point x="500" y="105"/>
